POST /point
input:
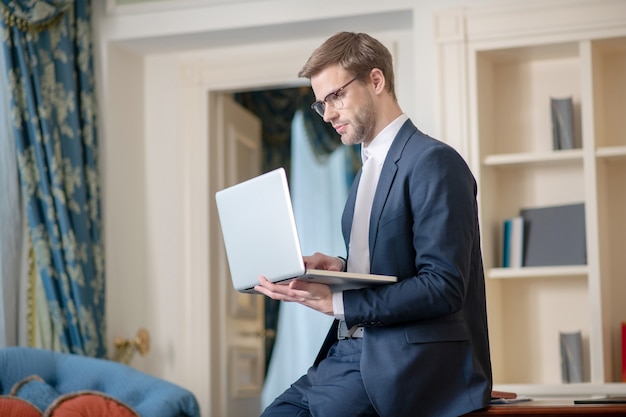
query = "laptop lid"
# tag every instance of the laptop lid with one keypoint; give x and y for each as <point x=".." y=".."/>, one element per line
<point x="259" y="230"/>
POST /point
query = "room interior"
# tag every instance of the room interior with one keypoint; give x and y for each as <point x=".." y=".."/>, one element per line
<point x="164" y="68"/>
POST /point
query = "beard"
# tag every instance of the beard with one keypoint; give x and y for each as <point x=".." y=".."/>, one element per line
<point x="363" y="125"/>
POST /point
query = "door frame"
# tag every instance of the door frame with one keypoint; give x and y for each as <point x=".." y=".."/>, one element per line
<point x="202" y="83"/>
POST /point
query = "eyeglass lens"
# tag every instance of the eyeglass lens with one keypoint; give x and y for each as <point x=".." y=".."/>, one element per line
<point x="332" y="99"/>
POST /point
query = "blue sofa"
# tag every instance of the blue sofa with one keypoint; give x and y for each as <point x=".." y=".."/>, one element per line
<point x="62" y="374"/>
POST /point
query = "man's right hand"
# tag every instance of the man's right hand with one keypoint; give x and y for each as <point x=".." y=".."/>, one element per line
<point x="321" y="261"/>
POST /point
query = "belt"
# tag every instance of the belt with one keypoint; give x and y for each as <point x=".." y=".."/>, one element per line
<point x="355" y="332"/>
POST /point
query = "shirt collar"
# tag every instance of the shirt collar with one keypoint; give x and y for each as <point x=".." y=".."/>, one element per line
<point x="379" y="146"/>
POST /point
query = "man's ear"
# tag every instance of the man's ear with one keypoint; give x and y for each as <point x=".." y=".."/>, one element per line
<point x="378" y="80"/>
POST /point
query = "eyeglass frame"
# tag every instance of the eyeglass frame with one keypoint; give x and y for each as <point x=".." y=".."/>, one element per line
<point x="320" y="106"/>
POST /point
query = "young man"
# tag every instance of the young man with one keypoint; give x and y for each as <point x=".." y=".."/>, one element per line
<point x="418" y="347"/>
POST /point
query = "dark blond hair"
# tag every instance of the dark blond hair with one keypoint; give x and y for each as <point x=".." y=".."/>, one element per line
<point x="357" y="53"/>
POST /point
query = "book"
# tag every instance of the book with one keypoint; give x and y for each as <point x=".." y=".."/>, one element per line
<point x="571" y="356"/>
<point x="563" y="132"/>
<point x="506" y="243"/>
<point x="506" y="397"/>
<point x="517" y="242"/>
<point x="555" y="235"/>
<point x="503" y="394"/>
<point x="513" y="242"/>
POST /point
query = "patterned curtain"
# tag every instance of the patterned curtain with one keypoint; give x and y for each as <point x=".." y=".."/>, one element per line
<point x="47" y="48"/>
<point x="276" y="109"/>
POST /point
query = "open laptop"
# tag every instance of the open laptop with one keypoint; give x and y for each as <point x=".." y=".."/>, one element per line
<point x="260" y="236"/>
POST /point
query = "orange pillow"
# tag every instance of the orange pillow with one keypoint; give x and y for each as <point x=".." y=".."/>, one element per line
<point x="17" y="407"/>
<point x="88" y="404"/>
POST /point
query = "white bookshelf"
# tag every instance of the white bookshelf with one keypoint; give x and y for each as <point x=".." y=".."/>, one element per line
<point x="498" y="68"/>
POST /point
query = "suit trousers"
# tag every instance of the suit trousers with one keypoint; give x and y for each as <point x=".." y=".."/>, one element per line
<point x="334" y="388"/>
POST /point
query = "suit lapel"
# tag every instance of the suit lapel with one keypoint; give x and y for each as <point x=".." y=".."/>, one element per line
<point x="348" y="211"/>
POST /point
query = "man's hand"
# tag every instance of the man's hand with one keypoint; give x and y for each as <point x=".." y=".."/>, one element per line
<point x="310" y="294"/>
<point x="321" y="261"/>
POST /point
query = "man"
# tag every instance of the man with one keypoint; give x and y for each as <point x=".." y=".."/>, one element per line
<point x="418" y="347"/>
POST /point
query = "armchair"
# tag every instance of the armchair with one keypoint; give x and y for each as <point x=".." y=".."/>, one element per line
<point x="50" y="378"/>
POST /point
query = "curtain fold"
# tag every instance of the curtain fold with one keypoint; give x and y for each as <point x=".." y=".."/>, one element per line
<point x="47" y="48"/>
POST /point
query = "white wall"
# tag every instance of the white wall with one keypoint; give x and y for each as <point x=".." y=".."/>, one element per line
<point x="155" y="70"/>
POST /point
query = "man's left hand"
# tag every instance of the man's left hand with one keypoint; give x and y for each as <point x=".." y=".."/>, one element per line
<point x="310" y="294"/>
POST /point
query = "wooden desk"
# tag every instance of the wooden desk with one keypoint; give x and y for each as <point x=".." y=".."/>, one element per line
<point x="551" y="408"/>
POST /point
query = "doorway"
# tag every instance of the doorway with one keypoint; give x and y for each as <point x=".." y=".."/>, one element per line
<point x="320" y="170"/>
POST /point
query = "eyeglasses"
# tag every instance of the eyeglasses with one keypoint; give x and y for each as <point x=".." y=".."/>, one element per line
<point x="332" y="99"/>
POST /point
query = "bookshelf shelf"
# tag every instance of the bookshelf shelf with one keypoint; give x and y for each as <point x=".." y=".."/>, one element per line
<point x="539" y="272"/>
<point x="506" y="63"/>
<point x="611" y="152"/>
<point x="534" y="158"/>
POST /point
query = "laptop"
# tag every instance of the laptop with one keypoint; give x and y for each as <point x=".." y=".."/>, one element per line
<point x="260" y="237"/>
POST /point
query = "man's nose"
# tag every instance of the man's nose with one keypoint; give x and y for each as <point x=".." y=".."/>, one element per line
<point x="329" y="113"/>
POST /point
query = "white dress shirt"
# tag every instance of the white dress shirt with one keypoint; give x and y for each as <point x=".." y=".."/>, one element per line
<point x="378" y="149"/>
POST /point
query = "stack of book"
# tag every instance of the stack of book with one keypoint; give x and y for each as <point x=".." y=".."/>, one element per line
<point x="545" y="236"/>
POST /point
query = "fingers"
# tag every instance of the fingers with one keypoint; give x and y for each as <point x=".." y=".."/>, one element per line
<point x="321" y="261"/>
<point x="294" y="291"/>
<point x="275" y="291"/>
<point x="315" y="296"/>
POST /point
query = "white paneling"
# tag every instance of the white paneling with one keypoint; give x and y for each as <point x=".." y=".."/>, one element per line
<point x="123" y="161"/>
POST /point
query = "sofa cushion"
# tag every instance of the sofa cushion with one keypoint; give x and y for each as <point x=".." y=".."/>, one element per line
<point x="89" y="404"/>
<point x="36" y="391"/>
<point x="17" y="407"/>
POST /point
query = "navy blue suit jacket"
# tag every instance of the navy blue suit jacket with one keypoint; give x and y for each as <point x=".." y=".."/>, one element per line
<point x="425" y="349"/>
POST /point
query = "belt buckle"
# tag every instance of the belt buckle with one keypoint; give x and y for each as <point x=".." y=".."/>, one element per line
<point x="356" y="332"/>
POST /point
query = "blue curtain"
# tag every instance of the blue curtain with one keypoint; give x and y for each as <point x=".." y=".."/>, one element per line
<point x="47" y="46"/>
